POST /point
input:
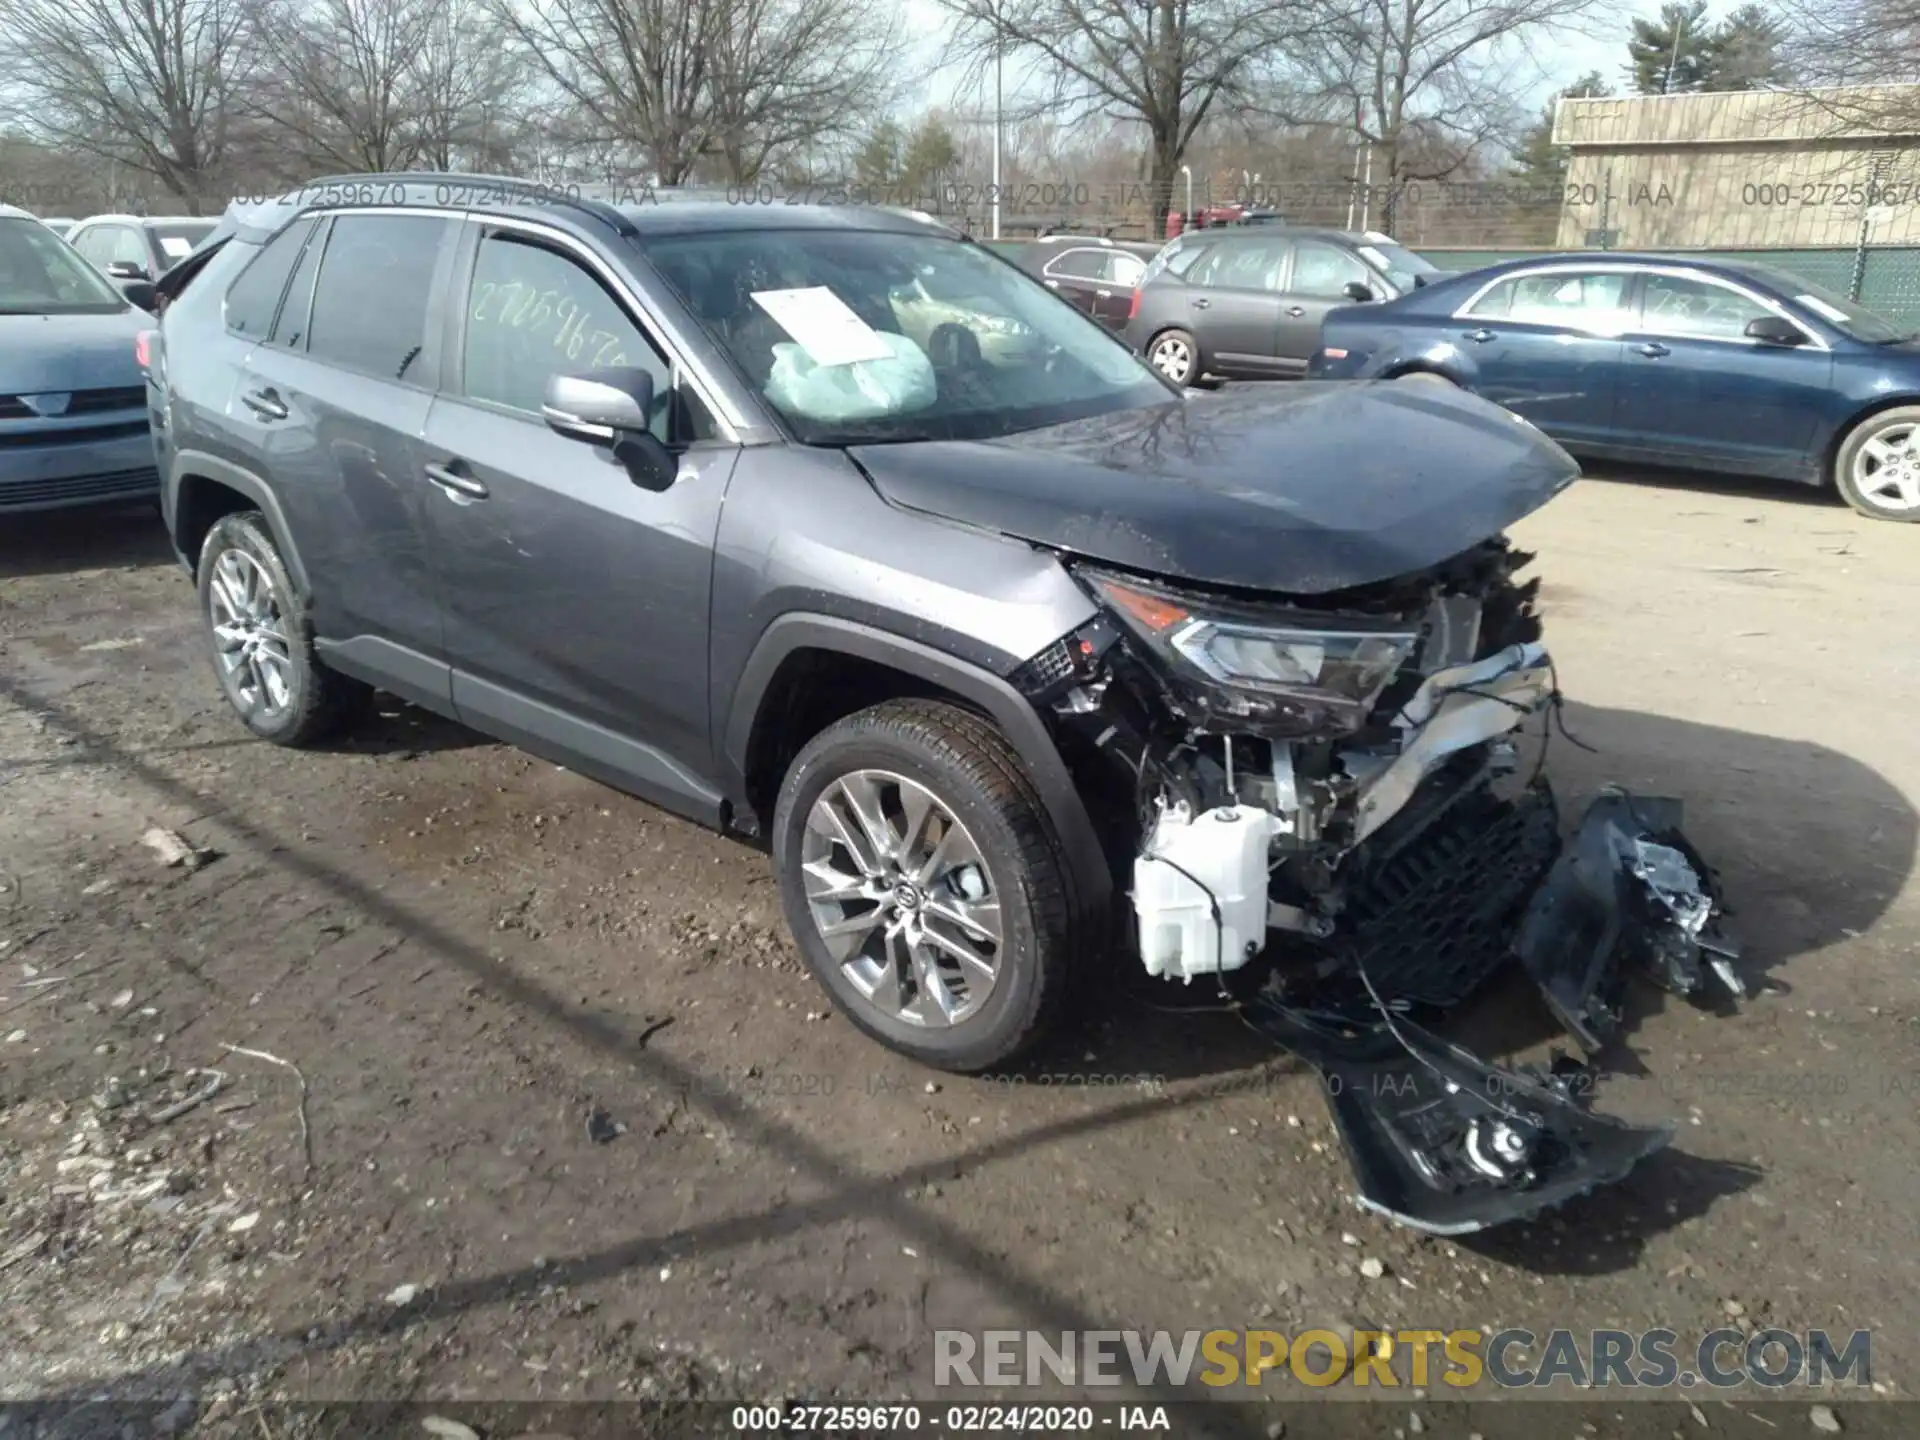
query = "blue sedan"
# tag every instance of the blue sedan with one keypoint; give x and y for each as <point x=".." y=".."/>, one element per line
<point x="1665" y="360"/>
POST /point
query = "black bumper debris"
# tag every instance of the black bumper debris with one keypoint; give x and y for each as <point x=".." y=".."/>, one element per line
<point x="1628" y="888"/>
<point x="1443" y="1142"/>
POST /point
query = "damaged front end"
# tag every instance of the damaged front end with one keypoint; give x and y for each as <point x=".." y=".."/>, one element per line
<point x="1331" y="787"/>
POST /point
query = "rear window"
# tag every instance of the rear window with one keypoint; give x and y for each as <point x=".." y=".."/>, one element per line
<point x="254" y="299"/>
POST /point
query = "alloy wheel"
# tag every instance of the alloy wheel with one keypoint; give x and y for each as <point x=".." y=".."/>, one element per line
<point x="902" y="897"/>
<point x="1886" y="471"/>
<point x="250" y="634"/>
<point x="1173" y="358"/>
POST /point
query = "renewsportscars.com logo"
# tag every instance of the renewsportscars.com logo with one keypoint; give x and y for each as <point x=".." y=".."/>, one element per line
<point x="1508" y="1359"/>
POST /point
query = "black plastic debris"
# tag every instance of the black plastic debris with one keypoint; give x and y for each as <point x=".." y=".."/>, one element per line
<point x="1627" y="889"/>
<point x="1443" y="1142"/>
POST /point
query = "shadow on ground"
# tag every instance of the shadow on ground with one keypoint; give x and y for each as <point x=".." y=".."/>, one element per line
<point x="91" y="538"/>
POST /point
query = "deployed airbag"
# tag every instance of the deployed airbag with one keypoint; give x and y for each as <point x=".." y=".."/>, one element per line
<point x="898" y="384"/>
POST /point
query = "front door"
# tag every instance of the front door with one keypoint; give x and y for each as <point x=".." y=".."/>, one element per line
<point x="576" y="602"/>
<point x="1316" y="282"/>
<point x="1693" y="386"/>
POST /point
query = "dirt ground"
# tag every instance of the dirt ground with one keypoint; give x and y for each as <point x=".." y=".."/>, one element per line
<point x="560" y="1115"/>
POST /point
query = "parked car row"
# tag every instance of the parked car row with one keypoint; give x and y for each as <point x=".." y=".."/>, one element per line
<point x="1648" y="359"/>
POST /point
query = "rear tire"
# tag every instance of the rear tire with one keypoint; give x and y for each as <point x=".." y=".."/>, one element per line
<point x="1427" y="377"/>
<point x="1877" y="467"/>
<point x="261" y="642"/>
<point x="1176" y="355"/>
<point x="897" y="824"/>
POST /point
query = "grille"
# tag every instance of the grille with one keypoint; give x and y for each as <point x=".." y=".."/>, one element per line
<point x="84" y="402"/>
<point x="71" y="434"/>
<point x="1432" y="920"/>
<point x="1052" y="666"/>
<point x="128" y="484"/>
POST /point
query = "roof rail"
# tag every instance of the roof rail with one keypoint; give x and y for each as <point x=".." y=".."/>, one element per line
<point x="547" y="193"/>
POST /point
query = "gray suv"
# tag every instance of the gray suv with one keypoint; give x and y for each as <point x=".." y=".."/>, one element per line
<point x="832" y="530"/>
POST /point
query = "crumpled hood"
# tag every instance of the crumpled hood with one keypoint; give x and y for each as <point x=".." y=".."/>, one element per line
<point x="1300" y="488"/>
<point x="42" y="353"/>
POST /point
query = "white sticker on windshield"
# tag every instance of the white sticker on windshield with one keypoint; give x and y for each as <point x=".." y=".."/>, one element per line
<point x="175" y="246"/>
<point x="1823" y="309"/>
<point x="823" y="325"/>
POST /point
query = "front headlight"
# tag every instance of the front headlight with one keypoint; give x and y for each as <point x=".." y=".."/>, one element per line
<point x="1002" y="325"/>
<point x="1283" y="679"/>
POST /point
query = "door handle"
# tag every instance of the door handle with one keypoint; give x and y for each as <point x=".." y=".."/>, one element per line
<point x="1653" y="350"/>
<point x="1296" y="311"/>
<point x="1053" y="284"/>
<point x="1202" y="303"/>
<point x="1480" y="337"/>
<point x="1104" y="294"/>
<point x="265" y="403"/>
<point x="457" y="487"/>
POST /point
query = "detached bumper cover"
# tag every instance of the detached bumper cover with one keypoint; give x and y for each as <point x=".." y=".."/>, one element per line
<point x="1442" y="1141"/>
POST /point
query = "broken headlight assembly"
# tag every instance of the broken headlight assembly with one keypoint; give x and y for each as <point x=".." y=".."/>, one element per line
<point x="1252" y="667"/>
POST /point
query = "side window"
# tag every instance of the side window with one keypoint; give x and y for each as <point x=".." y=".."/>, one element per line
<point x="92" y="245"/>
<point x="533" y="312"/>
<point x="1124" y="269"/>
<point x="1560" y="297"/>
<point x="296" y="311"/>
<point x="129" y="246"/>
<point x="1081" y="264"/>
<point x="1240" y="267"/>
<point x="1324" y="271"/>
<point x="254" y="298"/>
<point x="370" y="306"/>
<point x="1673" y="306"/>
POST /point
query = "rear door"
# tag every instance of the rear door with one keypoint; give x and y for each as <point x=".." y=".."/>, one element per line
<point x="1547" y="345"/>
<point x="1693" y="385"/>
<point x="1077" y="275"/>
<point x="335" y="407"/>
<point x="1315" y="283"/>
<point x="576" y="602"/>
<point x="1234" y="303"/>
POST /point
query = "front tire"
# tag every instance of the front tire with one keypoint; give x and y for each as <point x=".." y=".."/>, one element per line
<point x="924" y="884"/>
<point x="1427" y="377"/>
<point x="1877" y="468"/>
<point x="261" y="643"/>
<point x="1176" y="355"/>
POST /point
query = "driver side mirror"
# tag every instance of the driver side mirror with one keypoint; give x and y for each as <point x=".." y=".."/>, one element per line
<point x="1356" y="291"/>
<point x="612" y="409"/>
<point x="127" y="270"/>
<point x="1772" y="330"/>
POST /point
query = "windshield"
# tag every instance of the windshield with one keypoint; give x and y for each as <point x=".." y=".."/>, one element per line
<point x="40" y="274"/>
<point x="1848" y="316"/>
<point x="859" y="336"/>
<point x="178" y="237"/>
<point x="1399" y="264"/>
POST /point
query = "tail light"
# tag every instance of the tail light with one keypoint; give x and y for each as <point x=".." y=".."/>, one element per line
<point x="143" y="349"/>
<point x="1133" y="307"/>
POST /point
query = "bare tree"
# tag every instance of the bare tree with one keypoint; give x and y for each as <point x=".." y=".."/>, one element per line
<point x="149" y="84"/>
<point x="339" y="79"/>
<point x="468" y="83"/>
<point x="632" y="71"/>
<point x="789" y="75"/>
<point x="1164" y="65"/>
<point x="1426" y="83"/>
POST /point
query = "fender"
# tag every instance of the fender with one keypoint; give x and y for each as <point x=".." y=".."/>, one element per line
<point x="211" y="467"/>
<point x="1089" y="875"/>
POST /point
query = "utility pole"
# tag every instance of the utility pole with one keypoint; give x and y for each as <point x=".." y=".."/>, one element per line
<point x="997" y="100"/>
<point x="1679" y="29"/>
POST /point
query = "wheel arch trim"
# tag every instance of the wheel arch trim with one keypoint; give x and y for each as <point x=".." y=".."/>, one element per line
<point x="198" y="464"/>
<point x="1018" y="720"/>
